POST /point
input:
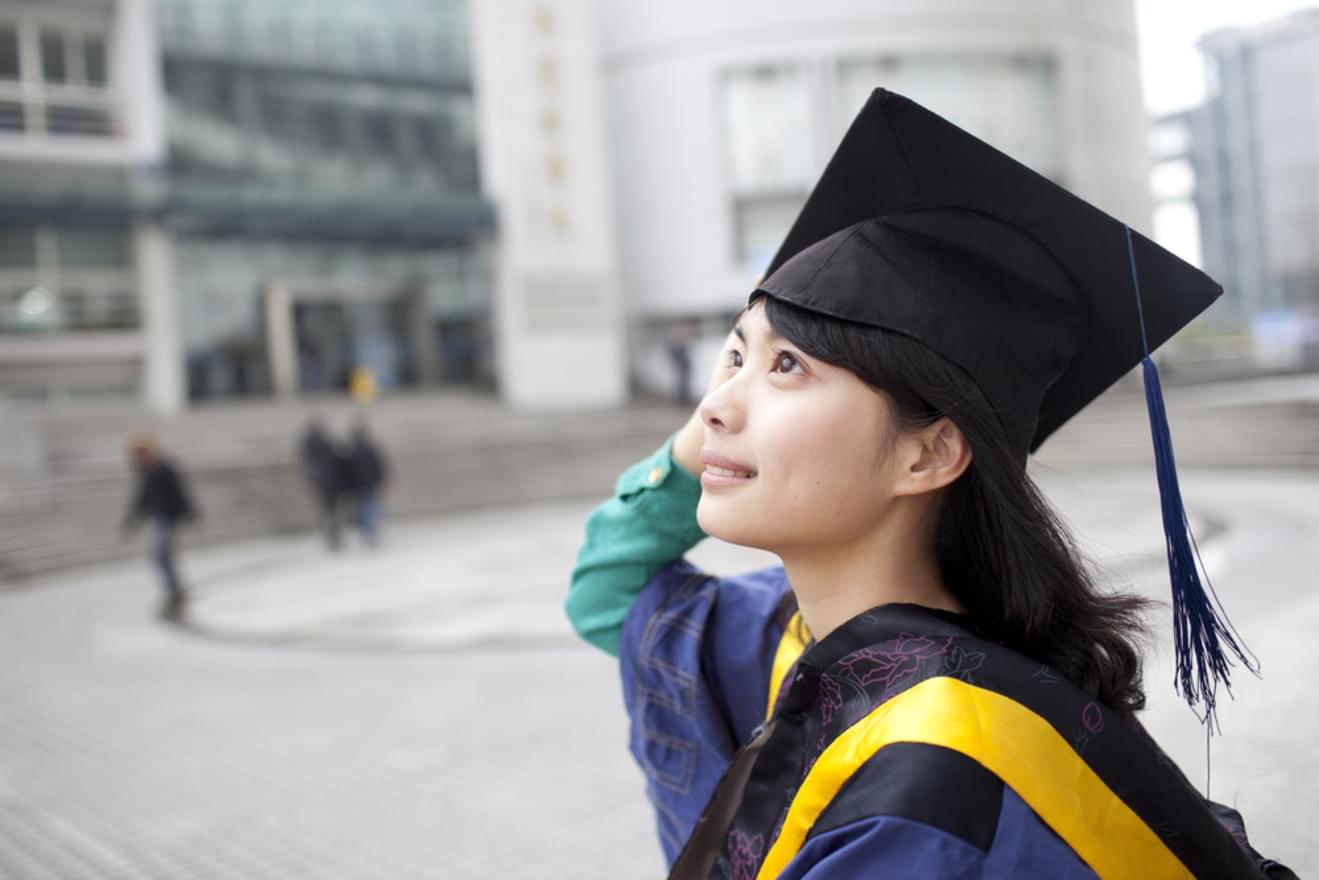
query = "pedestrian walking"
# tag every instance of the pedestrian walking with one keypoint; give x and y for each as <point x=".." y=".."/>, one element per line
<point x="366" y="474"/>
<point x="161" y="499"/>
<point x="323" y="471"/>
<point x="931" y="684"/>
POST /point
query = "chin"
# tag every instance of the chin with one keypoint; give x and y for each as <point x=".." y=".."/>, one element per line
<point x="721" y="520"/>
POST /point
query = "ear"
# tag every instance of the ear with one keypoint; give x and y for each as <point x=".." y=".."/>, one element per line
<point x="932" y="458"/>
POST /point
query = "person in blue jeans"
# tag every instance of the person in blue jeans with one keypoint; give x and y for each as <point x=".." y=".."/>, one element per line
<point x="366" y="476"/>
<point x="162" y="499"/>
<point x="931" y="684"/>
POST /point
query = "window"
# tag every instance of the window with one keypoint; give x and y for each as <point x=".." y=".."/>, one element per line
<point x="1009" y="100"/>
<point x="762" y="223"/>
<point x="93" y="247"/>
<point x="18" y="249"/>
<point x="61" y="120"/>
<point x="380" y="135"/>
<point x="8" y="53"/>
<point x="53" y="69"/>
<point x="64" y="91"/>
<point x="767" y="136"/>
<point x="766" y="118"/>
<point x="427" y="139"/>
<point x="93" y="61"/>
<point x="11" y="116"/>
<point x="326" y="128"/>
<point x="69" y="279"/>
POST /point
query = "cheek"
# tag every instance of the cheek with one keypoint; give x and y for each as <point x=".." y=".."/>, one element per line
<point x="832" y="471"/>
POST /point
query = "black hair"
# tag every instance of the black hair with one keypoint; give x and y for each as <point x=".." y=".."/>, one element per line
<point x="1002" y="550"/>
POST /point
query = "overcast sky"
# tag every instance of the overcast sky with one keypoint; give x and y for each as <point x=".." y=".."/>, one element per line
<point x="1170" y="64"/>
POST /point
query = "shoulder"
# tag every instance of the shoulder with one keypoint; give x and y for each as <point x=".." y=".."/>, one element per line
<point x="988" y="720"/>
<point x="916" y="782"/>
<point x="936" y="833"/>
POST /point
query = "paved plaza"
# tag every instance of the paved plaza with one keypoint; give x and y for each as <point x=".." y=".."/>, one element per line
<point x="421" y="710"/>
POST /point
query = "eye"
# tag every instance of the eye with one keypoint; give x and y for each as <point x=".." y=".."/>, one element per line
<point x="733" y="358"/>
<point x="786" y="362"/>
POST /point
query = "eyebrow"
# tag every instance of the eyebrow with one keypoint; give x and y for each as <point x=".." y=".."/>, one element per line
<point x="737" y="328"/>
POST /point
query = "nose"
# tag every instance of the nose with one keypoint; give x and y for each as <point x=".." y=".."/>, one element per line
<point x="722" y="408"/>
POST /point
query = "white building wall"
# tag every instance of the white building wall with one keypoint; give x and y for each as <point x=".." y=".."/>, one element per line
<point x="662" y="68"/>
<point x="544" y="164"/>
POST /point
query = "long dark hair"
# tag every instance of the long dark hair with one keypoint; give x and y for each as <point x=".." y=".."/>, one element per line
<point x="1002" y="550"/>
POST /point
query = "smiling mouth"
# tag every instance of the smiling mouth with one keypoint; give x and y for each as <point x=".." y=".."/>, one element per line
<point x="728" y="473"/>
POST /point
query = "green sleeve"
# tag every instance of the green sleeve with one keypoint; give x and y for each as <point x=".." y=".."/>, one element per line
<point x="650" y="521"/>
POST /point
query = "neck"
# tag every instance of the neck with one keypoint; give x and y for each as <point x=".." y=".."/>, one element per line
<point x="836" y="583"/>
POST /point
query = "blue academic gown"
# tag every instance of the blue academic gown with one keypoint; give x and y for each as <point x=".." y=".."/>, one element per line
<point x="696" y="658"/>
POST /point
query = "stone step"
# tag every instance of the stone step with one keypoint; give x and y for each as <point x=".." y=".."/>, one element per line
<point x="453" y="453"/>
<point x="74" y="516"/>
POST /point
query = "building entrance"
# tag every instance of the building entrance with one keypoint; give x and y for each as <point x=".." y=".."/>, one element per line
<point x="334" y="338"/>
<point x="318" y="335"/>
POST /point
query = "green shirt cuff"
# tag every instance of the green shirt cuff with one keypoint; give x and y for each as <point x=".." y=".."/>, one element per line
<point x="650" y="521"/>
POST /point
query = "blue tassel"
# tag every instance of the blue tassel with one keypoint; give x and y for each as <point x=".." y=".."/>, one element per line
<point x="1201" y="629"/>
<point x="1203" y="637"/>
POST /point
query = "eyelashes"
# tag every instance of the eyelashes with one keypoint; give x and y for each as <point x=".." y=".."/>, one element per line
<point x="733" y="358"/>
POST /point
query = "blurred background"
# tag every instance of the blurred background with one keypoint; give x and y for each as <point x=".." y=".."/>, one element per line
<point x="503" y="239"/>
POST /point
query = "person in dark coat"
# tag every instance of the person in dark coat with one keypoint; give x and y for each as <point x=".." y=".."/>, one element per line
<point x="323" y="470"/>
<point x="366" y="475"/>
<point x="163" y="500"/>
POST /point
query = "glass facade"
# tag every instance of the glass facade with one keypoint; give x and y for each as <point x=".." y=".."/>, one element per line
<point x="55" y="279"/>
<point x="352" y="305"/>
<point x="328" y="151"/>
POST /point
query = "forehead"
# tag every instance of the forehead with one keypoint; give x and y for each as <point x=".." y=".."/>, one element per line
<point x="752" y="323"/>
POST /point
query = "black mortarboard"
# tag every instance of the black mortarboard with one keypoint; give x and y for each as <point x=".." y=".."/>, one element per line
<point x="919" y="228"/>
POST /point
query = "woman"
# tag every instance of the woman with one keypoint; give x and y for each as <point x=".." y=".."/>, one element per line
<point x="930" y="685"/>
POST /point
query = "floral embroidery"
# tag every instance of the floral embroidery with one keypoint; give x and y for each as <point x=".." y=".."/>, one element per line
<point x="1092" y="717"/>
<point x="744" y="854"/>
<point x="960" y="663"/>
<point x="830" y="699"/>
<point x="883" y="670"/>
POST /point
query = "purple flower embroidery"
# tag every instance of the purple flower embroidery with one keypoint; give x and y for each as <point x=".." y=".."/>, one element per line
<point x="831" y="699"/>
<point x="889" y="667"/>
<point x="1092" y="718"/>
<point x="744" y="854"/>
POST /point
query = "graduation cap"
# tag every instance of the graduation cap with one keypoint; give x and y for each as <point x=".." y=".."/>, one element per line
<point x="919" y="228"/>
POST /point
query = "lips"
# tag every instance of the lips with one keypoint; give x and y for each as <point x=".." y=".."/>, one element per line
<point x="727" y="472"/>
<point x="724" y="468"/>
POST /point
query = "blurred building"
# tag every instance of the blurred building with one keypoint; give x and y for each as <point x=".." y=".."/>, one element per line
<point x="722" y="115"/>
<point x="1254" y="150"/>
<point x="209" y="198"/>
<point x="203" y="199"/>
<point x="80" y="288"/>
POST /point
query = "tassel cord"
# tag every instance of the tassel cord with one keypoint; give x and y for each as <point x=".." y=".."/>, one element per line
<point x="1204" y="638"/>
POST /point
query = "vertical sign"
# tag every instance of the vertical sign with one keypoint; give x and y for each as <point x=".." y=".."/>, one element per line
<point x="558" y="318"/>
